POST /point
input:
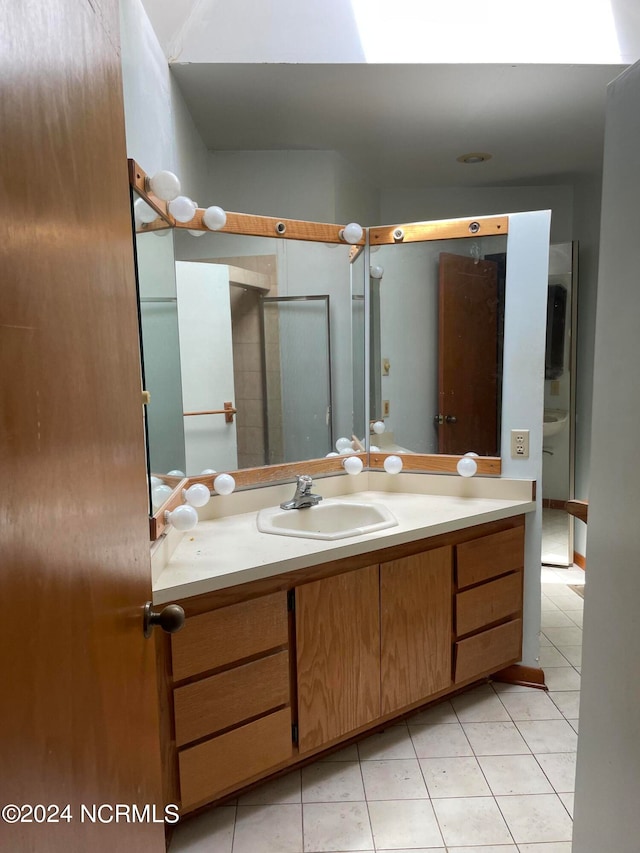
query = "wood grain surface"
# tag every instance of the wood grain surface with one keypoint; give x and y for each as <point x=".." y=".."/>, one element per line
<point x="415" y="610"/>
<point x="490" y="556"/>
<point x="338" y="655"/>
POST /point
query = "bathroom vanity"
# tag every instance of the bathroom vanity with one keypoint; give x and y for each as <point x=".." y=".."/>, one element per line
<point x="298" y="646"/>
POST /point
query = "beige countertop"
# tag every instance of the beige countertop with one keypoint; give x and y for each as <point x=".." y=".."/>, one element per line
<point x="228" y="549"/>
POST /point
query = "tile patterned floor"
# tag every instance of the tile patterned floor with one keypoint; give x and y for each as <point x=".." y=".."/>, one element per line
<point x="490" y="771"/>
<point x="555" y="537"/>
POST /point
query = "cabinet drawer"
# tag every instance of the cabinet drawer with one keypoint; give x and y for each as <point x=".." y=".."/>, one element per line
<point x="223" y="700"/>
<point x="208" y="769"/>
<point x="489" y="651"/>
<point x="229" y="634"/>
<point x="489" y="556"/>
<point x="489" y="602"/>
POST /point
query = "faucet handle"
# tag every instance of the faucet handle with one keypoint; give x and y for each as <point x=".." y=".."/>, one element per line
<point x="304" y="483"/>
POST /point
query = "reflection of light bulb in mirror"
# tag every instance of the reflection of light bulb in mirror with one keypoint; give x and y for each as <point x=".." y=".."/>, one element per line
<point x="214" y="218"/>
<point x="343" y="443"/>
<point x="346" y="450"/>
<point x="224" y="484"/>
<point x="208" y="471"/>
<point x="182" y="208"/>
<point x="352" y="465"/>
<point x="176" y="473"/>
<point x="165" y="185"/>
<point x="378" y="427"/>
<point x="393" y="464"/>
<point x="182" y="517"/>
<point x="467" y="466"/>
<point x="197" y="495"/>
<point x="155" y="482"/>
<point x="376" y="271"/>
<point x="195" y="233"/>
<point x="160" y="494"/>
<point x="471" y="453"/>
<point x="333" y="453"/>
<point x="351" y="233"/>
<point x="162" y="232"/>
<point x="143" y="212"/>
<point x="374" y="448"/>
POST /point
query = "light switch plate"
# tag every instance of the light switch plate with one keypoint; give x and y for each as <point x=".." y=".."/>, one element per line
<point x="519" y="443"/>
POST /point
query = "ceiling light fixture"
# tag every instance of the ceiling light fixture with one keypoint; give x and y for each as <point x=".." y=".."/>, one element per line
<point x="474" y="157"/>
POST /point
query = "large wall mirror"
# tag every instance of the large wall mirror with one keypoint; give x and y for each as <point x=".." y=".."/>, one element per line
<point x="252" y="347"/>
<point x="436" y="341"/>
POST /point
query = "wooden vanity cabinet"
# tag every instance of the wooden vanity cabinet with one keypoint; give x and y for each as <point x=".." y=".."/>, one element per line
<point x="231" y="696"/>
<point x="266" y="674"/>
<point x="488" y="602"/>
<point x="338" y="655"/>
<point x="415" y="616"/>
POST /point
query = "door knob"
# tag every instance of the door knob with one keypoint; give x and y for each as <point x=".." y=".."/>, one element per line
<point x="451" y="419"/>
<point x="170" y="618"/>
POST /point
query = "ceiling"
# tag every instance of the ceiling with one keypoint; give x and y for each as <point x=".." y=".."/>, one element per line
<point x="405" y="125"/>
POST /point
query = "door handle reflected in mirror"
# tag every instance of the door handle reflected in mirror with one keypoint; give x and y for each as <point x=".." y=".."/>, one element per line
<point x="451" y="419"/>
<point x="170" y="619"/>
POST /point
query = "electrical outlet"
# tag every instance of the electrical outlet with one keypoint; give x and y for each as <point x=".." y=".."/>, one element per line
<point x="386" y="409"/>
<point x="519" y="443"/>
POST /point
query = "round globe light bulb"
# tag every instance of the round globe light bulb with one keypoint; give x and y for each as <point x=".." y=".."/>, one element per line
<point x="352" y="465"/>
<point x="176" y="473"/>
<point x="162" y="232"/>
<point x="466" y="466"/>
<point x="182" y="208"/>
<point x="143" y="212"/>
<point x="224" y="484"/>
<point x="379" y="427"/>
<point x="393" y="464"/>
<point x="343" y="443"/>
<point x="155" y="482"/>
<point x="333" y="453"/>
<point x="160" y="494"/>
<point x="376" y="271"/>
<point x="373" y="448"/>
<point x="165" y="185"/>
<point x="214" y="218"/>
<point x="208" y="471"/>
<point x="197" y="495"/>
<point x="183" y="518"/>
<point x="346" y="451"/>
<point x="352" y="233"/>
<point x="195" y="233"/>
<point x="471" y="453"/>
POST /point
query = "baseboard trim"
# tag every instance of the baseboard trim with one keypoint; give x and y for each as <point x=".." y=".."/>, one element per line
<point x="579" y="561"/>
<point x="527" y="676"/>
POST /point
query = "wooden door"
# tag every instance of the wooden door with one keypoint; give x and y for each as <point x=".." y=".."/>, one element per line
<point x="78" y="718"/>
<point x="468" y="356"/>
<point x="338" y="655"/>
<point x="415" y="627"/>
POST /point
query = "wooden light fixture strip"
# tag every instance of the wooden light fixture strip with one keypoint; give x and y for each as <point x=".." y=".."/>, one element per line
<point x="444" y="229"/>
<point x="138" y="179"/>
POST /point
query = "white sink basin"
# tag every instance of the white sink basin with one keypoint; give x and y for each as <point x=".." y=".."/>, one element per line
<point x="554" y="422"/>
<point x="330" y="519"/>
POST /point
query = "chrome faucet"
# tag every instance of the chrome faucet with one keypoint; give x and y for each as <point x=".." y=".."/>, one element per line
<point x="303" y="497"/>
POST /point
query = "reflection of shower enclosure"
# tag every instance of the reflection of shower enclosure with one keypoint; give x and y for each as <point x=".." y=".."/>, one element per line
<point x="297" y="377"/>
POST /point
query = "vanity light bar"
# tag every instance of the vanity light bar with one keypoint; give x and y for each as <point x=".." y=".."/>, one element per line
<point x="444" y="229"/>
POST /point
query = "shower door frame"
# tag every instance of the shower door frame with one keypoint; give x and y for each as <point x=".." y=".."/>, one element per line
<point x="325" y="297"/>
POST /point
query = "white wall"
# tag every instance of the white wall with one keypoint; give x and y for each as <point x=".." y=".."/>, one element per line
<point x="318" y="186"/>
<point x="523" y="388"/>
<point x="409" y="205"/>
<point x="206" y="360"/>
<point x="373" y="31"/>
<point x="160" y="132"/>
<point x="607" y="816"/>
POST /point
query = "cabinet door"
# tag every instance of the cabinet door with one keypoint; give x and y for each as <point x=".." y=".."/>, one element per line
<point x="415" y="613"/>
<point x="338" y="655"/>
